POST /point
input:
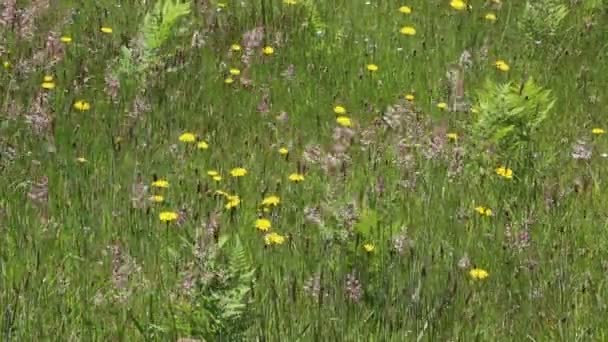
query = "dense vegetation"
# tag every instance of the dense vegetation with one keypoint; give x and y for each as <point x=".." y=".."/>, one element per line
<point x="303" y="170"/>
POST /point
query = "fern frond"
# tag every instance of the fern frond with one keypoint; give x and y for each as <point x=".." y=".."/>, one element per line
<point x="542" y="19"/>
<point x="509" y="115"/>
<point x="317" y="24"/>
<point x="159" y="23"/>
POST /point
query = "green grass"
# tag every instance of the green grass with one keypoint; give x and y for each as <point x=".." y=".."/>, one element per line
<point x="88" y="264"/>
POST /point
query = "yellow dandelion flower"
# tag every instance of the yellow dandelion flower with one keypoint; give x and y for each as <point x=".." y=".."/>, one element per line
<point x="452" y="136"/>
<point x="274" y="239"/>
<point x="233" y="202"/>
<point x="372" y="67"/>
<point x="290" y="2"/>
<point x="405" y="9"/>
<point x="238" y="172"/>
<point x="442" y="105"/>
<point x="106" y="29"/>
<point x="187" y="137"/>
<point x="212" y="173"/>
<point x="235" y="72"/>
<point x="272" y="200"/>
<point x="598" y="131"/>
<point x="202" y="145"/>
<point x="410" y="97"/>
<point x="48" y="85"/>
<point x="48" y="78"/>
<point x="491" y="17"/>
<point x="458" y="5"/>
<point x="160" y="183"/>
<point x="408" y="31"/>
<point x="369" y="248"/>
<point x="478" y="273"/>
<point x="229" y="80"/>
<point x="217" y="178"/>
<point x="340" y="110"/>
<point x="483" y="211"/>
<point x="168" y="216"/>
<point x="344" y="121"/>
<point x="501" y="65"/>
<point x="296" y="177"/>
<point x="504" y="172"/>
<point x="157" y="198"/>
<point x="268" y="50"/>
<point x="82" y="105"/>
<point x="235" y="47"/>
<point x="263" y="224"/>
<point x="66" y="39"/>
<point x="283" y="151"/>
<point x="81" y="160"/>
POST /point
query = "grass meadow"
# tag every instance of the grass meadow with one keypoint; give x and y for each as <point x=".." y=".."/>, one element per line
<point x="303" y="170"/>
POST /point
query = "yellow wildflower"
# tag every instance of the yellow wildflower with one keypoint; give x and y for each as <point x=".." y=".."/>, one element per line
<point x="283" y="151"/>
<point x="6" y="64"/>
<point x="106" y="29"/>
<point x="442" y="105"/>
<point x="501" y="65"/>
<point x="452" y="136"/>
<point x="202" y="145"/>
<point x="48" y="85"/>
<point x="458" y="5"/>
<point x="272" y="200"/>
<point x="157" y="198"/>
<point x="168" y="216"/>
<point x="290" y="2"/>
<point x="340" y="110"/>
<point x="369" y="248"/>
<point x="217" y="178"/>
<point x="478" y="273"/>
<point x="187" y="137"/>
<point x="372" y="67"/>
<point x="235" y="47"/>
<point x="238" y="172"/>
<point x="268" y="50"/>
<point x="233" y="201"/>
<point x="263" y="224"/>
<point x="296" y="177"/>
<point x="66" y="39"/>
<point x="410" y="97"/>
<point x="490" y="17"/>
<point x="81" y="160"/>
<point x="274" y="239"/>
<point x="235" y="72"/>
<point x="160" y="183"/>
<point x="344" y="121"/>
<point x="408" y="31"/>
<point x="598" y="131"/>
<point x="82" y="105"/>
<point x="229" y="80"/>
<point x="483" y="211"/>
<point x="212" y="173"/>
<point x="405" y="9"/>
<point x="504" y="172"/>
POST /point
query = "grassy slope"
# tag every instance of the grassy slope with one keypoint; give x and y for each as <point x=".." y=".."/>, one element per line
<point x="50" y="275"/>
